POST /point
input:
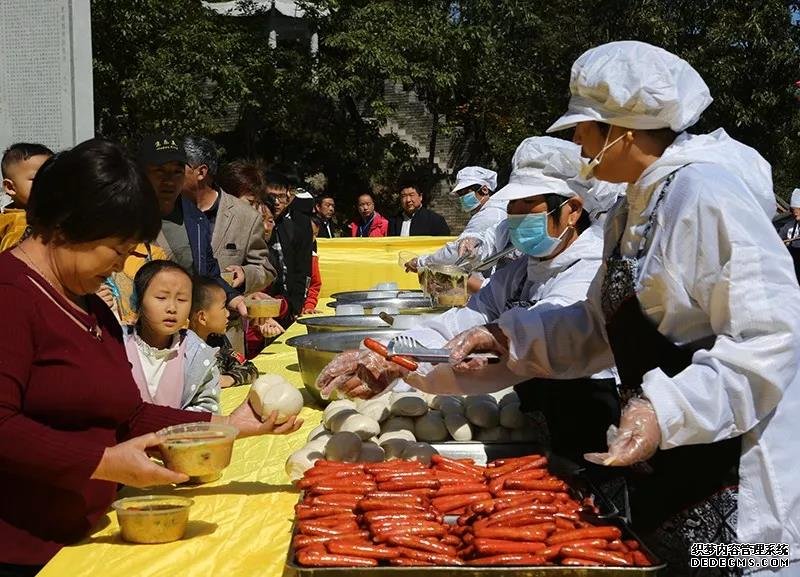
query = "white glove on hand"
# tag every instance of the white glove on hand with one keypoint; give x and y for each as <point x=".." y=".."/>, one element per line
<point x="635" y="440"/>
<point x="480" y="339"/>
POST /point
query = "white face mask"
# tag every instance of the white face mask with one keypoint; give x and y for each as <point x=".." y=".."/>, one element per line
<point x="587" y="168"/>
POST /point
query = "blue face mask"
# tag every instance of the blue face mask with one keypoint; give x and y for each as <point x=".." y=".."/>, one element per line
<point x="469" y="201"/>
<point x="528" y="233"/>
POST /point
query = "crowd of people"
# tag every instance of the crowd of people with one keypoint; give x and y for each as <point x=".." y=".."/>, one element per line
<point x="645" y="296"/>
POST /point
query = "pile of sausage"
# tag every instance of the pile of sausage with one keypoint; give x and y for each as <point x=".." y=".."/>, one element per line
<point x="511" y="512"/>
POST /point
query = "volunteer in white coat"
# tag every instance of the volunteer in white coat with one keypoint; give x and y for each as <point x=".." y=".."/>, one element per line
<point x="474" y="187"/>
<point x="548" y="216"/>
<point x="696" y="302"/>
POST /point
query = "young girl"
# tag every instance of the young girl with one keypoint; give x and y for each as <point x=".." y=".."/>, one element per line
<point x="171" y="365"/>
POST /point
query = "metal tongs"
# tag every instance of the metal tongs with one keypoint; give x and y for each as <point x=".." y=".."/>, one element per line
<point x="485" y="264"/>
<point x="406" y="351"/>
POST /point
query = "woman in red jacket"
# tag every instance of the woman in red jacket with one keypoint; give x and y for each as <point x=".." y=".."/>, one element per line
<point x="72" y="422"/>
<point x="371" y="223"/>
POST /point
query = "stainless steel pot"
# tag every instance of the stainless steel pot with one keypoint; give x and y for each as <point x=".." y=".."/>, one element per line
<point x="316" y="350"/>
<point x="353" y="296"/>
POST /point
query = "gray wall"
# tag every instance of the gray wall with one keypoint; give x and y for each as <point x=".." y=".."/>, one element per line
<point x="45" y="72"/>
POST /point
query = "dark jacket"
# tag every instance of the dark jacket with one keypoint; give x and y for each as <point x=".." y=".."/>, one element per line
<point x="425" y="222"/>
<point x="187" y="224"/>
<point x="788" y="231"/>
<point x="293" y="232"/>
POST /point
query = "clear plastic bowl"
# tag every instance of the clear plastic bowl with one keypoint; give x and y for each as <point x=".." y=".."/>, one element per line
<point x="200" y="450"/>
<point x="349" y="309"/>
<point x="262" y="308"/>
<point x="152" y="518"/>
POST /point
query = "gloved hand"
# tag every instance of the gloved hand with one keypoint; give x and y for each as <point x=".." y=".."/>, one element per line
<point x="361" y="374"/>
<point x="412" y="265"/>
<point x="468" y="246"/>
<point x="480" y="339"/>
<point x="635" y="440"/>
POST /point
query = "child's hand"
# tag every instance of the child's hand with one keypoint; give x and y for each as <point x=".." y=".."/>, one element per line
<point x="269" y="327"/>
<point x="237" y="305"/>
<point x="249" y="424"/>
<point x="311" y="312"/>
<point x="238" y="275"/>
<point x="226" y="381"/>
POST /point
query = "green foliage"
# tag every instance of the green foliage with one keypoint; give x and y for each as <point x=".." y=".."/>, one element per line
<point x="491" y="71"/>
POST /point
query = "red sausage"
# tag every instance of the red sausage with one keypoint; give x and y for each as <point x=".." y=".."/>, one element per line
<point x="501" y="546"/>
<point x="423" y="544"/>
<point x="605" y="557"/>
<point x="512" y="533"/>
<point x="640" y="559"/>
<point x="536" y="484"/>
<point x="359" y="550"/>
<point x="348" y="501"/>
<point x="370" y="504"/>
<point x="406" y="562"/>
<point x="435" y="558"/>
<point x="446" y="504"/>
<point x="301" y="541"/>
<point x="608" y="532"/>
<point x="312" y="512"/>
<point x="413" y="483"/>
<point x="461" y="489"/>
<point x="422" y="531"/>
<point x="573" y="562"/>
<point x="509" y="559"/>
<point x="316" y="559"/>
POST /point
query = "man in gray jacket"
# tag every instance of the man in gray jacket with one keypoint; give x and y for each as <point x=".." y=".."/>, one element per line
<point x="237" y="238"/>
<point x="238" y="233"/>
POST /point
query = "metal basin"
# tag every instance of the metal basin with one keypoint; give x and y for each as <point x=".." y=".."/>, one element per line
<point x="334" y="324"/>
<point x="416" y="305"/>
<point x="316" y="350"/>
<point x="358" y="296"/>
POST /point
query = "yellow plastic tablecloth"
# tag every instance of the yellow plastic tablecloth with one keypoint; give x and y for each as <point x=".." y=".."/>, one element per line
<point x="347" y="264"/>
<point x="239" y="525"/>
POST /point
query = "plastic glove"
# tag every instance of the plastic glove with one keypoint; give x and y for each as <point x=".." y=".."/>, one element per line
<point x="480" y="339"/>
<point x="635" y="440"/>
<point x="468" y="246"/>
<point x="360" y="374"/>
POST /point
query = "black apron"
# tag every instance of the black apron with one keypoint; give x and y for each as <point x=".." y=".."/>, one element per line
<point x="689" y="493"/>
<point x="577" y="412"/>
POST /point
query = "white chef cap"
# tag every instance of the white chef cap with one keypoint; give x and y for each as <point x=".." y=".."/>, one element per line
<point x="634" y="85"/>
<point x="546" y="165"/>
<point x="795" y="203"/>
<point x="470" y="175"/>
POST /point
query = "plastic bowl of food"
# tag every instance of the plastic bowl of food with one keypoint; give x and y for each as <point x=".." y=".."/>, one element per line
<point x="200" y="450"/>
<point x="262" y="308"/>
<point x="445" y="284"/>
<point x="152" y="518"/>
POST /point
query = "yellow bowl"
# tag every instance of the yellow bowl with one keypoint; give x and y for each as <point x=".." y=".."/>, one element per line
<point x="153" y="518"/>
<point x="197" y="449"/>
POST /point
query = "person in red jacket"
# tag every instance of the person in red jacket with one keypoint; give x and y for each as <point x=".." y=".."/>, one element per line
<point x="370" y="222"/>
<point x="315" y="285"/>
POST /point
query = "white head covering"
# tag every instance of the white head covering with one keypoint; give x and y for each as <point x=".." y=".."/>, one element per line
<point x="795" y="203"/>
<point x="470" y="175"/>
<point x="634" y="85"/>
<point x="546" y="165"/>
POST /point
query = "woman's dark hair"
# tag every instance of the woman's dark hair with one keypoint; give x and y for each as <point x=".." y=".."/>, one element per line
<point x="90" y="192"/>
<point x="241" y="177"/>
<point x="554" y="201"/>
<point x="146" y="274"/>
